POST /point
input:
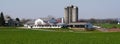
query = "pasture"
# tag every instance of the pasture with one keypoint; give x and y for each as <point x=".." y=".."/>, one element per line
<point x="110" y="25"/>
<point x="27" y="36"/>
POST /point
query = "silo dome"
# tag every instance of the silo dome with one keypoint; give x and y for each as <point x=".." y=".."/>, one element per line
<point x="39" y="22"/>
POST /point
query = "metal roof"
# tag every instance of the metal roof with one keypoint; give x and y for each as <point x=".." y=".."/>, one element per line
<point x="80" y="23"/>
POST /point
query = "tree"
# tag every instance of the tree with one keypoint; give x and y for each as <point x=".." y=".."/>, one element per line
<point x="2" y="20"/>
<point x="17" y="22"/>
<point x="23" y="21"/>
<point x="50" y="16"/>
<point x="17" y="19"/>
<point x="92" y="20"/>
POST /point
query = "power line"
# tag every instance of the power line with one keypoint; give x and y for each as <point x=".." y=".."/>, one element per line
<point x="72" y="2"/>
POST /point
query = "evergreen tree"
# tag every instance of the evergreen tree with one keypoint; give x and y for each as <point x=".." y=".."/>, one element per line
<point x="17" y="22"/>
<point x="17" y="19"/>
<point x="2" y="20"/>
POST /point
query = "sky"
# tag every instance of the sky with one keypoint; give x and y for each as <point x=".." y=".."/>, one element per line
<point x="42" y="8"/>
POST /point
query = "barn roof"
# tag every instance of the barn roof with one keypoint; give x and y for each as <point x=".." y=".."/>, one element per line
<point x="78" y="23"/>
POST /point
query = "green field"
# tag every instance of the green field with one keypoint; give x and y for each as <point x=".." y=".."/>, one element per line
<point x="20" y="36"/>
<point x="110" y="25"/>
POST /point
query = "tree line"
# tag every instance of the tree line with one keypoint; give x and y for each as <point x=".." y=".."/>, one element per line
<point x="8" y="21"/>
<point x="100" y="21"/>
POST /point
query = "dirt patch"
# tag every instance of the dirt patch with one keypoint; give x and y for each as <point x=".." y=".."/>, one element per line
<point x="114" y="30"/>
<point x="109" y="30"/>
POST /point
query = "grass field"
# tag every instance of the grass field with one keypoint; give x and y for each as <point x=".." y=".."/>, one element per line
<point x="110" y="25"/>
<point x="20" y="36"/>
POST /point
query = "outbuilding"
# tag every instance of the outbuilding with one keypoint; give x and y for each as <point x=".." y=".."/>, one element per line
<point x="80" y="25"/>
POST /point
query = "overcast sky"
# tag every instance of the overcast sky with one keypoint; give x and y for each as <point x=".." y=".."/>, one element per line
<point x="43" y="8"/>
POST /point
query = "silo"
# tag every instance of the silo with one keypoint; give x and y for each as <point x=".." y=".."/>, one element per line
<point x="62" y="20"/>
<point x="74" y="14"/>
<point x="66" y="15"/>
<point x="70" y="13"/>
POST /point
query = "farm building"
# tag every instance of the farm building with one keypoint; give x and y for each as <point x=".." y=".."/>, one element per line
<point x="39" y="23"/>
<point x="70" y="20"/>
<point x="80" y="25"/>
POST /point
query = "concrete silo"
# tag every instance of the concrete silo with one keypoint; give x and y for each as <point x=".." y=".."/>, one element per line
<point x="66" y="15"/>
<point x="71" y="14"/>
<point x="75" y="14"/>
